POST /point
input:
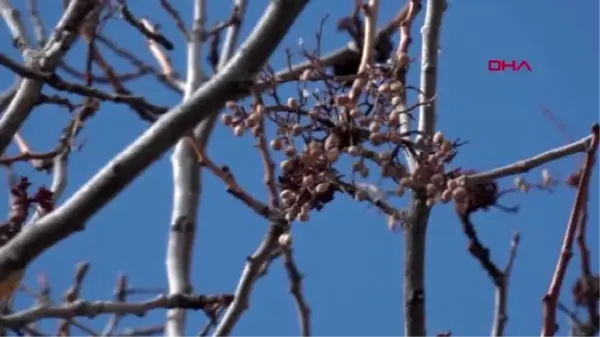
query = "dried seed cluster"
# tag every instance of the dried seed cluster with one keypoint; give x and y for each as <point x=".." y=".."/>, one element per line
<point x="316" y="129"/>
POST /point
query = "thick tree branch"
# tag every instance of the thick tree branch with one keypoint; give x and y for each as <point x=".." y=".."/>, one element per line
<point x="186" y="171"/>
<point x="429" y="63"/>
<point x="415" y="237"/>
<point x="416" y="233"/>
<point x="186" y="187"/>
<point x="16" y="26"/>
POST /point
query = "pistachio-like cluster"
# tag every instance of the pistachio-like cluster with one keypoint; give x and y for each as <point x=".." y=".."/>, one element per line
<point x="316" y="130"/>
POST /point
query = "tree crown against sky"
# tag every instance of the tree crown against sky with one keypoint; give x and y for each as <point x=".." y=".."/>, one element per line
<point x="345" y="171"/>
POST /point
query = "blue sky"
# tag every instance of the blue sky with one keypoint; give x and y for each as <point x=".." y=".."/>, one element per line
<point x="351" y="261"/>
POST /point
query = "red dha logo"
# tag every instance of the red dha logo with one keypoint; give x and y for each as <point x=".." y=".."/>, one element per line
<point x="514" y="65"/>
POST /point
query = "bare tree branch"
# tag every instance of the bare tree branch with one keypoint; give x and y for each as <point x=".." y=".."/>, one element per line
<point x="46" y="60"/>
<point x="95" y="308"/>
<point x="501" y="301"/>
<point x="415" y="234"/>
<point x="251" y="273"/>
<point x="125" y="167"/>
<point x="186" y="187"/>
<point x="550" y="300"/>
<point x="525" y="165"/>
<point x="295" y="279"/>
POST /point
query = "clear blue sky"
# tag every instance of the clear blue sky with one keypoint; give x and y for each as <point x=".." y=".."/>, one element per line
<point x="351" y="261"/>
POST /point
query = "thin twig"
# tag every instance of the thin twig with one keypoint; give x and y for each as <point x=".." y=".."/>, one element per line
<point x="120" y="296"/>
<point x="501" y="301"/>
<point x="371" y="11"/>
<point x="92" y="309"/>
<point x="525" y="165"/>
<point x="295" y="278"/>
<point x="142" y="28"/>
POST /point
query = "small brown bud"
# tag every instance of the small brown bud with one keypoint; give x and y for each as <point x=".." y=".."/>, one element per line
<point x="238" y="130"/>
<point x="303" y="217"/>
<point x="446" y="196"/>
<point x="287" y="194"/>
<point x="286" y="165"/>
<point x="227" y="119"/>
<point x="252" y="120"/>
<point x="292" y="103"/>
<point x="285" y="240"/>
<point x="438" y="137"/>
<point x="452" y="184"/>
<point x="308" y="181"/>
<point x="459" y="194"/>
<point x="383" y="88"/>
<point x="322" y="188"/>
<point x="276" y="144"/>
<point x="396" y="87"/>
<point x="296" y="130"/>
<point x="287" y="202"/>
<point x="431" y="189"/>
<point x="354" y="151"/>
<point x="290" y="151"/>
<point x="259" y="110"/>
<point x="437" y="179"/>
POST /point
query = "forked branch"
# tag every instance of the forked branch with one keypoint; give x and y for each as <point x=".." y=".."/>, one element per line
<point x="550" y="300"/>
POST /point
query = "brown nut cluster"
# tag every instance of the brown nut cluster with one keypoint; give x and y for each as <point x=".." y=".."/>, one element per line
<point x="315" y="130"/>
